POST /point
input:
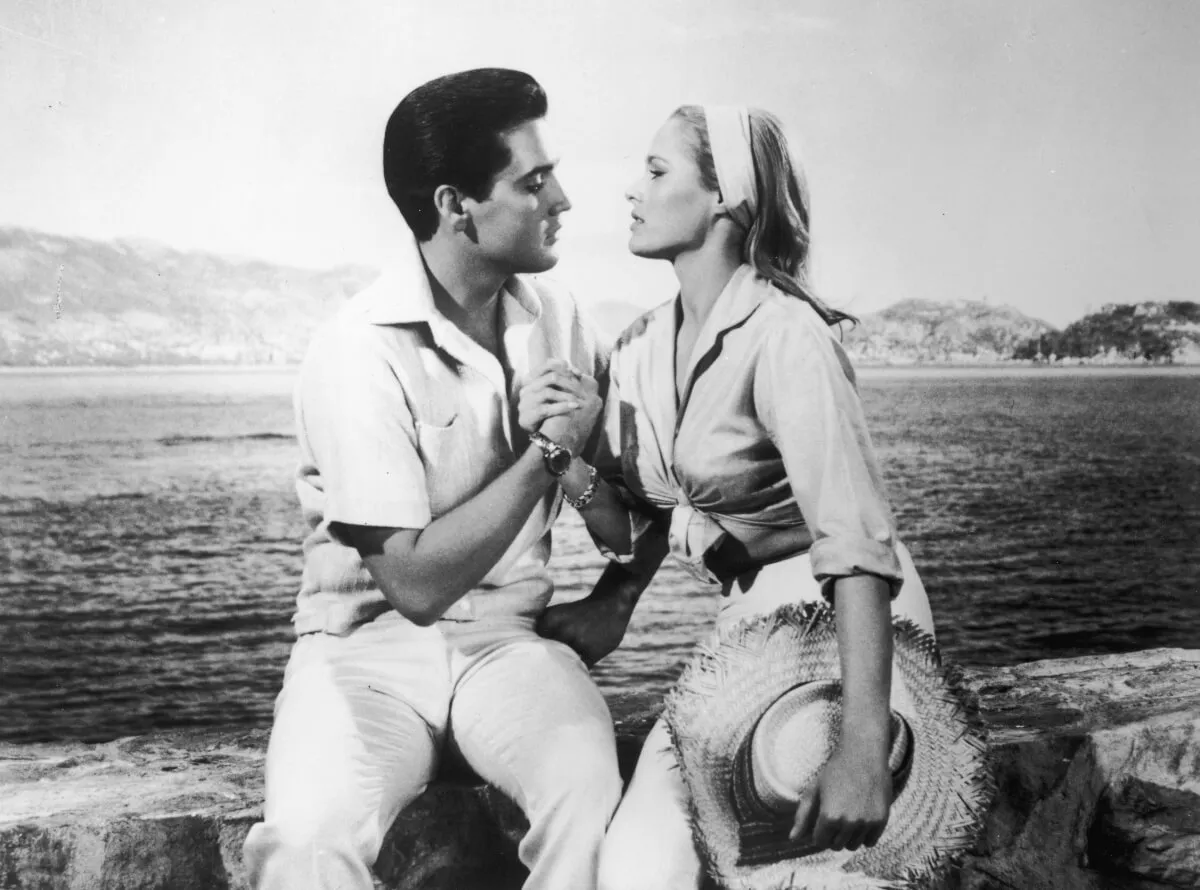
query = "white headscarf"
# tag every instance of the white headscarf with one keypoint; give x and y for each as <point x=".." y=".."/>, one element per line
<point x="729" y="140"/>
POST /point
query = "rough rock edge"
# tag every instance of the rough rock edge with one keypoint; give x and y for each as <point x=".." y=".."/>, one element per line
<point x="1097" y="761"/>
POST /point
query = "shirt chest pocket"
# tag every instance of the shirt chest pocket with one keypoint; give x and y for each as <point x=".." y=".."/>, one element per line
<point x="454" y="420"/>
<point x="445" y="456"/>
<point x="440" y="444"/>
<point x="452" y="467"/>
<point x="439" y="421"/>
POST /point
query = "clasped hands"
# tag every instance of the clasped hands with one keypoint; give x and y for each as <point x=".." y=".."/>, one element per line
<point x="561" y="403"/>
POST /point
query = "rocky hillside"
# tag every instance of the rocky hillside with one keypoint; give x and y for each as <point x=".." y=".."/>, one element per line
<point x="72" y="301"/>
<point x="922" y="331"/>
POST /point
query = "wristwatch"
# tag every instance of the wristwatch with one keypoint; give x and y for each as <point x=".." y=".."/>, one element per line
<point x="558" y="459"/>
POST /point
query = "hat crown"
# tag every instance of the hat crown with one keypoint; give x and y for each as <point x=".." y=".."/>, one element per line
<point x="796" y="736"/>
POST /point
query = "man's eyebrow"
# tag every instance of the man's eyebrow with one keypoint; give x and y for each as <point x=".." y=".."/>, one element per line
<point x="540" y="170"/>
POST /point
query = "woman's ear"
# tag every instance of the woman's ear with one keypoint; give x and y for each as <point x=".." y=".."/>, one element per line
<point x="719" y="206"/>
<point x="721" y="211"/>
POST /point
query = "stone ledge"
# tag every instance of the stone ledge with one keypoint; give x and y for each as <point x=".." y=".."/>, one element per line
<point x="1097" y="761"/>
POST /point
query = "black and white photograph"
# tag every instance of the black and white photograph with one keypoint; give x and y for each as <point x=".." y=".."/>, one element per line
<point x="661" y="445"/>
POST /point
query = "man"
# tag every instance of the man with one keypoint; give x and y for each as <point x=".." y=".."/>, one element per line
<point x="425" y="570"/>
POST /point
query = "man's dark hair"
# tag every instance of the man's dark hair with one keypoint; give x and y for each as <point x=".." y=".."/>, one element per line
<point x="448" y="132"/>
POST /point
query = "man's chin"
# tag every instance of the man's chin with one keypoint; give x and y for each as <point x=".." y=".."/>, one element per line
<point x="543" y="262"/>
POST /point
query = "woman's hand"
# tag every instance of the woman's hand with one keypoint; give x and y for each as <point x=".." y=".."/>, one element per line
<point x="557" y="389"/>
<point x="848" y="806"/>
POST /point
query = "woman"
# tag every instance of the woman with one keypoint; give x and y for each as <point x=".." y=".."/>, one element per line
<point x="734" y="424"/>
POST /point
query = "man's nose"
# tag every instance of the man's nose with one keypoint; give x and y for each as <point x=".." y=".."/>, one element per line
<point x="561" y="202"/>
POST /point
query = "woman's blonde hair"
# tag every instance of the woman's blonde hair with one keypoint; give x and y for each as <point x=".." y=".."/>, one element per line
<point x="778" y="241"/>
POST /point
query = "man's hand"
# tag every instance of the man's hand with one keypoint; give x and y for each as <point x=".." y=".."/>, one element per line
<point x="848" y="806"/>
<point x="593" y="626"/>
<point x="555" y="390"/>
<point x="572" y="430"/>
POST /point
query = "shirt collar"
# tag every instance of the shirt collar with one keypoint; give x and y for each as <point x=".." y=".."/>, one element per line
<point x="402" y="293"/>
<point x="744" y="292"/>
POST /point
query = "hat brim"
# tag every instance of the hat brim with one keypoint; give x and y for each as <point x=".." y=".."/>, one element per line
<point x="933" y="821"/>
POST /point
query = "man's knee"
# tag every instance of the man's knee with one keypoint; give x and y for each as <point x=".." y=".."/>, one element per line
<point x="302" y="853"/>
<point x="580" y="773"/>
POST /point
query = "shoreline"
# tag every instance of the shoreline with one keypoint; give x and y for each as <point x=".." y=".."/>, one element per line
<point x="867" y="368"/>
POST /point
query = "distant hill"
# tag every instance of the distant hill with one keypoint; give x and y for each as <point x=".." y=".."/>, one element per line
<point x="922" y="331"/>
<point x="1123" y="332"/>
<point x="73" y="301"/>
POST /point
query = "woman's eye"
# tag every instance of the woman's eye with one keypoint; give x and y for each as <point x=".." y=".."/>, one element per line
<point x="654" y="174"/>
<point x="536" y="185"/>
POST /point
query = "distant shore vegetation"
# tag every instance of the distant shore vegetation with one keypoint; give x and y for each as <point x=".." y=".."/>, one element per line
<point x="1156" y="333"/>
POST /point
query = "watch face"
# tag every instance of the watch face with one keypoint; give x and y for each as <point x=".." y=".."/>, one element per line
<point x="559" y="462"/>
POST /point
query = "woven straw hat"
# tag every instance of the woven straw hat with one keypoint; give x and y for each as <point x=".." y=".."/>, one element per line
<point x="755" y="717"/>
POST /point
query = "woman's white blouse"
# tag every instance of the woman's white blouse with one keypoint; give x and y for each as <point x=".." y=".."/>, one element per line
<point x="769" y="433"/>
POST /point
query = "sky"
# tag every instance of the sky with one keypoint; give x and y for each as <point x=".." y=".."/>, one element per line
<point x="1042" y="155"/>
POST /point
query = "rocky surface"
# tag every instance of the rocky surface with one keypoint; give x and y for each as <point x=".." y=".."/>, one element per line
<point x="1097" y="761"/>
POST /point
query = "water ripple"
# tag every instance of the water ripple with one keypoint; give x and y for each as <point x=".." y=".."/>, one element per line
<point x="150" y="538"/>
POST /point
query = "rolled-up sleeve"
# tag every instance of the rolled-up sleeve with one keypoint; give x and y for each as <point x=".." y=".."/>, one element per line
<point x="358" y="424"/>
<point x="813" y="415"/>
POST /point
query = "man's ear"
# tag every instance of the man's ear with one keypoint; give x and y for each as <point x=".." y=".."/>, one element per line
<point x="448" y="201"/>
